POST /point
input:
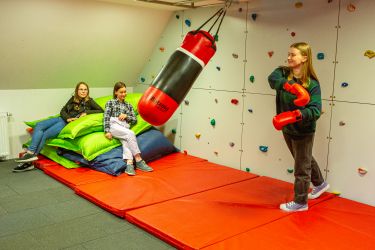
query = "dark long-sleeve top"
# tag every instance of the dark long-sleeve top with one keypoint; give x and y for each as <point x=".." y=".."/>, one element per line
<point x="74" y="109"/>
<point x="284" y="102"/>
<point x="114" y="108"/>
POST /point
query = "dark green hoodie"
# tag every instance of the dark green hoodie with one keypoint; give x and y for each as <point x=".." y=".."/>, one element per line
<point x="284" y="102"/>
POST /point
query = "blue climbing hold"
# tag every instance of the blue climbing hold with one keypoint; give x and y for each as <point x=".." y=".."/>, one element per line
<point x="344" y="84"/>
<point x="188" y="22"/>
<point x="320" y="56"/>
<point x="263" y="148"/>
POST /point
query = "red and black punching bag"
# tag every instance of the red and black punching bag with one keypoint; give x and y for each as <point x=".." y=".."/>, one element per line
<point x="174" y="81"/>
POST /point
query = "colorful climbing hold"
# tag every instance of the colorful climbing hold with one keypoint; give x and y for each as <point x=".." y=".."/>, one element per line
<point x="143" y="79"/>
<point x="235" y="56"/>
<point x="174" y="131"/>
<point x="186" y="102"/>
<point x="216" y="100"/>
<point x="320" y="56"/>
<point x="254" y="16"/>
<point x="252" y="78"/>
<point x="247" y="169"/>
<point x="185" y="152"/>
<point x="263" y="148"/>
<point x="234" y="101"/>
<point x="240" y="10"/>
<point x="218" y="68"/>
<point x="293" y="34"/>
<point x="188" y="22"/>
<point x="197" y="135"/>
<point x="250" y="110"/>
<point x="370" y="54"/>
<point x="231" y="144"/>
<point x="216" y="38"/>
<point x="216" y="153"/>
<point x="298" y="5"/>
<point x="213" y="122"/>
<point x="341" y="123"/>
<point x="177" y="16"/>
<point x="290" y="170"/>
<point x="162" y="49"/>
<point x="362" y="171"/>
<point x="270" y="53"/>
<point x="336" y="192"/>
<point x="344" y="84"/>
<point x="350" y="7"/>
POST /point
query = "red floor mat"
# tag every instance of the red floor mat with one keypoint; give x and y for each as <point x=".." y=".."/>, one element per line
<point x="333" y="224"/>
<point x="174" y="160"/>
<point x="42" y="162"/>
<point x="75" y="176"/>
<point x="199" y="220"/>
<point x="129" y="192"/>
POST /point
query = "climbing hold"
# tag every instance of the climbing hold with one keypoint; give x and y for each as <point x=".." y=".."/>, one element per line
<point x="362" y="171"/>
<point x="320" y="56"/>
<point x="370" y="54"/>
<point x="216" y="153"/>
<point x="252" y="78"/>
<point x="185" y="152"/>
<point x="298" y="5"/>
<point x="153" y="76"/>
<point x="174" y="131"/>
<point x="263" y="148"/>
<point x="197" y="135"/>
<point x="270" y="53"/>
<point x="216" y="37"/>
<point x="235" y="56"/>
<point x="231" y="144"/>
<point x="234" y="101"/>
<point x="336" y="192"/>
<point x="247" y="169"/>
<point x="216" y="100"/>
<point x="218" y="68"/>
<point x="177" y="16"/>
<point x="350" y="7"/>
<point x="162" y="49"/>
<point x="188" y="22"/>
<point x="250" y="110"/>
<point x="240" y="10"/>
<point x="341" y="123"/>
<point x="330" y="1"/>
<point x="290" y="170"/>
<point x="293" y="34"/>
<point x="344" y="84"/>
<point x="186" y="102"/>
<point x="213" y="122"/>
<point x="254" y="16"/>
<point x="143" y="79"/>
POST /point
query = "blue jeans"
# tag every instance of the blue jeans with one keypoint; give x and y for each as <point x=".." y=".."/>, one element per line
<point x="44" y="130"/>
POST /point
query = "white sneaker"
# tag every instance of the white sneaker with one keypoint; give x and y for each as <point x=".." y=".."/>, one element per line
<point x="293" y="207"/>
<point x="319" y="190"/>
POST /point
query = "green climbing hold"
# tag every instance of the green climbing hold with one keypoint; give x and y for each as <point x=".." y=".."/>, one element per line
<point x="290" y="170"/>
<point x="174" y="131"/>
<point x="252" y="78"/>
<point x="247" y="169"/>
<point x="213" y="122"/>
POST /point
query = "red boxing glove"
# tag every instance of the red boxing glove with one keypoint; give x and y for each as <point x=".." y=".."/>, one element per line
<point x="303" y="97"/>
<point x="285" y="118"/>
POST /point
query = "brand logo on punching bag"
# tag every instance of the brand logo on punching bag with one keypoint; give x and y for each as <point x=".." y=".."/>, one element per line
<point x="162" y="107"/>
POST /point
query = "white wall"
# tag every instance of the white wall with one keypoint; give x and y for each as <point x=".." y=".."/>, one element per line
<point x="56" y="43"/>
<point x="343" y="36"/>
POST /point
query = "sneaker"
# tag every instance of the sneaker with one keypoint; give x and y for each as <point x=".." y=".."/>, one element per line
<point x="130" y="169"/>
<point x="318" y="190"/>
<point x="293" y="207"/>
<point x="28" y="157"/>
<point x="141" y="165"/>
<point x="22" y="167"/>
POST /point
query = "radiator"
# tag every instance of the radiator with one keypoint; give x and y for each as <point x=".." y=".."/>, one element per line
<point x="4" y="135"/>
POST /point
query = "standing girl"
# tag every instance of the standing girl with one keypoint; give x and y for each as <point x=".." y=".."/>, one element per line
<point x="79" y="105"/>
<point x="297" y="118"/>
<point x="118" y="117"/>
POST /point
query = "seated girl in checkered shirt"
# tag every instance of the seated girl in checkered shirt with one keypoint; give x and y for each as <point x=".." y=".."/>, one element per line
<point x="119" y="115"/>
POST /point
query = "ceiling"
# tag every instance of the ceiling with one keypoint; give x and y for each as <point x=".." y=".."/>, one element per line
<point x="170" y="4"/>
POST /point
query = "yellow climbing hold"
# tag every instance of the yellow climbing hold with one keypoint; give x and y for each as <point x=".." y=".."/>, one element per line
<point x="197" y="135"/>
<point x="336" y="192"/>
<point x="370" y="54"/>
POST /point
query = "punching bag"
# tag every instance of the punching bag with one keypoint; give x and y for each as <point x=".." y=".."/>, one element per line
<point x="174" y="81"/>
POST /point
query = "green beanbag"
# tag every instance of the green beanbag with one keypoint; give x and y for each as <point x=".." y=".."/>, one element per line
<point x="82" y="126"/>
<point x="32" y="124"/>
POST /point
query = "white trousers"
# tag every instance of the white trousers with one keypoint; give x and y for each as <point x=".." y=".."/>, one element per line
<point x="120" y="130"/>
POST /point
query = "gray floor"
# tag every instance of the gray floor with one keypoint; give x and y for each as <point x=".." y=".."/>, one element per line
<point x="38" y="212"/>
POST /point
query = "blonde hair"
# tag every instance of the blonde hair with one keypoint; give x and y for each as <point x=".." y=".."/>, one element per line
<point x="307" y="67"/>
<point x="77" y="99"/>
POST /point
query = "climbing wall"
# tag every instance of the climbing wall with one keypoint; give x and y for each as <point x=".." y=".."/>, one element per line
<point x="351" y="157"/>
<point x="227" y="115"/>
